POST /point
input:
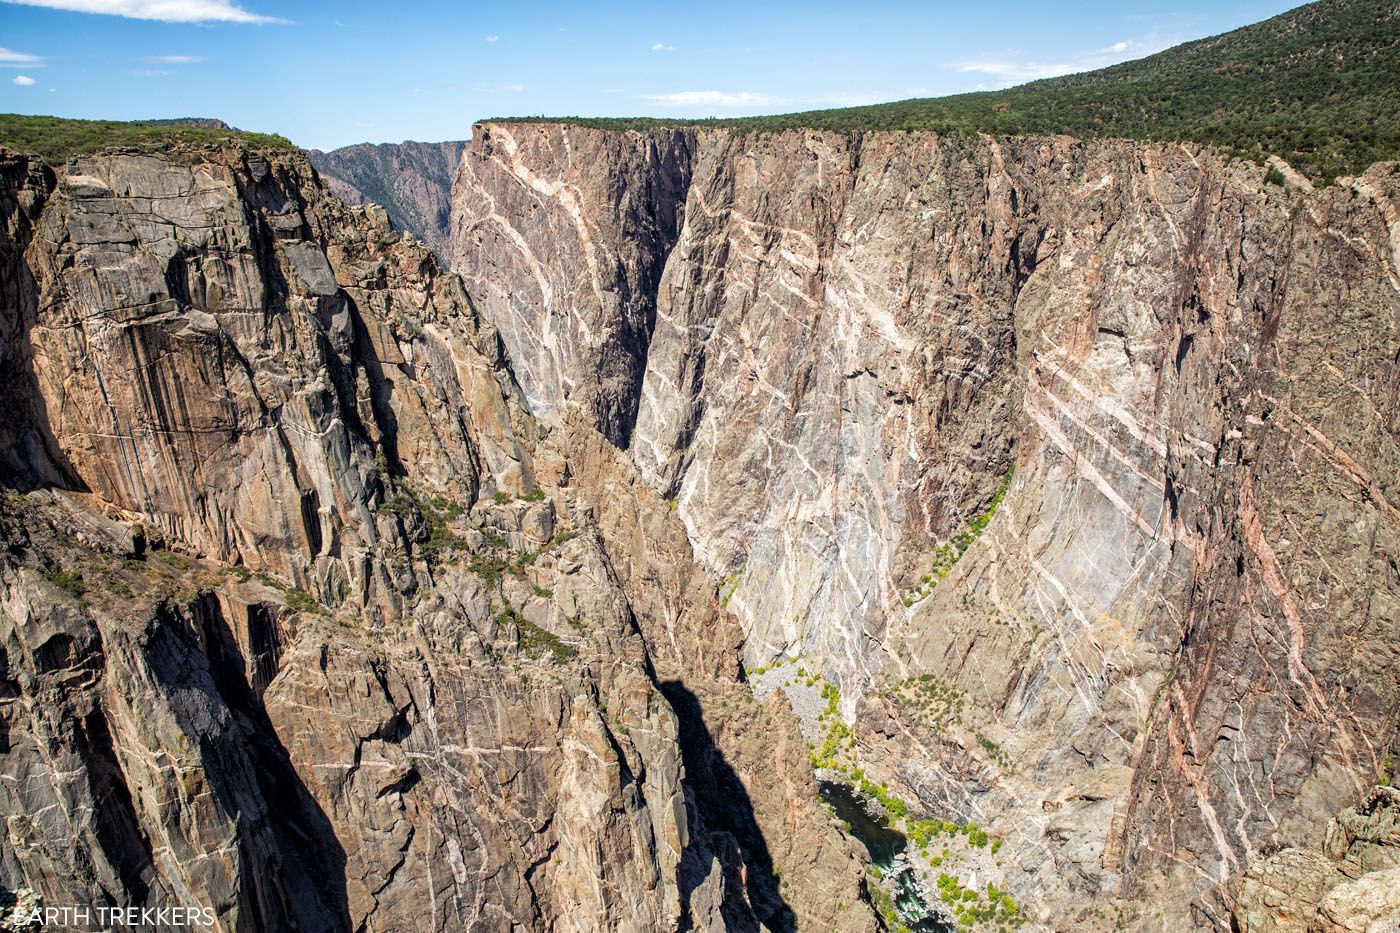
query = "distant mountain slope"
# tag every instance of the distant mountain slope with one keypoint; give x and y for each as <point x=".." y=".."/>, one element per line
<point x="413" y="182"/>
<point x="1318" y="85"/>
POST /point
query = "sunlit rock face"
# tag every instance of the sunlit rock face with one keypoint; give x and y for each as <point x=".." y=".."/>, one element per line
<point x="306" y="620"/>
<point x="1173" y="638"/>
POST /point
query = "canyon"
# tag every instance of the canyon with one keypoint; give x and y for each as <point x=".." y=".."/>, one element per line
<point x="307" y="621"/>
<point x="1172" y="649"/>
<point x="695" y="512"/>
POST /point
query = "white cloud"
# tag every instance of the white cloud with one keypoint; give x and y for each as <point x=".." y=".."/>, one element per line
<point x="1125" y="45"/>
<point x="174" y="59"/>
<point x="719" y="103"/>
<point x="501" y="88"/>
<point x="1009" y="70"/>
<point x="663" y="47"/>
<point x="165" y="11"/>
<point x="9" y="58"/>
<point x="742" y="99"/>
<point x="23" y="80"/>
<point x="493" y="38"/>
<point x="1017" y="72"/>
<point x="151" y="73"/>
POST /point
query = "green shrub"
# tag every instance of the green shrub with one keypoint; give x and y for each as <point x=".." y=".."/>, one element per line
<point x="301" y="601"/>
<point x="487" y="566"/>
<point x="532" y="638"/>
<point x="400" y="504"/>
<point x="70" y="581"/>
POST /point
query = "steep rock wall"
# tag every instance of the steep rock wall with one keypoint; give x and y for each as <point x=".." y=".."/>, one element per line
<point x="305" y="620"/>
<point x="571" y="257"/>
<point x="1173" y="644"/>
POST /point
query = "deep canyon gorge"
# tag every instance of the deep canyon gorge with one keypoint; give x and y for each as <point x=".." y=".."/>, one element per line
<point x="702" y="528"/>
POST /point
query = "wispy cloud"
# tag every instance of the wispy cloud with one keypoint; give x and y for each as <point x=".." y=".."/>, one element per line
<point x="663" y="47"/>
<point x="493" y="38"/>
<point x="717" y="102"/>
<point x="1014" y="72"/>
<point x="1126" y="45"/>
<point x="151" y="73"/>
<point x="501" y="88"/>
<point x="165" y="11"/>
<point x="23" y="80"/>
<point x="174" y="59"/>
<point x="1009" y="69"/>
<point x="9" y="58"/>
<point x="739" y="99"/>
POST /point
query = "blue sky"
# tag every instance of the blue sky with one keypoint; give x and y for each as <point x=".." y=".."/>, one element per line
<point x="327" y="74"/>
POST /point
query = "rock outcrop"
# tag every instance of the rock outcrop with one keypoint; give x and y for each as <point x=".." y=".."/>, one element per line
<point x="1351" y="882"/>
<point x="307" y="621"/>
<point x="1165" y="647"/>
<point x="412" y="181"/>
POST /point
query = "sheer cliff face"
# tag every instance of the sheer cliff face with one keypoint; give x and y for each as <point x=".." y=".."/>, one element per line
<point x="572" y="257"/>
<point x="1174" y="641"/>
<point x="305" y="619"/>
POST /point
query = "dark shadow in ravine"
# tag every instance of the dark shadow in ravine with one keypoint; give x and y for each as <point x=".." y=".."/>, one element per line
<point x="291" y="866"/>
<point x="724" y="808"/>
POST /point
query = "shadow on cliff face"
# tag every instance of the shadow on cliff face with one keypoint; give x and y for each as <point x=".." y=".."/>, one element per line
<point x="728" y="832"/>
<point x="30" y="456"/>
<point x="291" y="867"/>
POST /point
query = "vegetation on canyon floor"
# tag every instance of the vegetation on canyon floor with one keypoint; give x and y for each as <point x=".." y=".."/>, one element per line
<point x="939" y="843"/>
<point x="1316" y="85"/>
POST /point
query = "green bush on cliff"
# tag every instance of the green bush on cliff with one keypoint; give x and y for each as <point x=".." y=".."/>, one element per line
<point x="70" y="581"/>
<point x="532" y="639"/>
<point x="949" y="553"/>
<point x="301" y="601"/>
